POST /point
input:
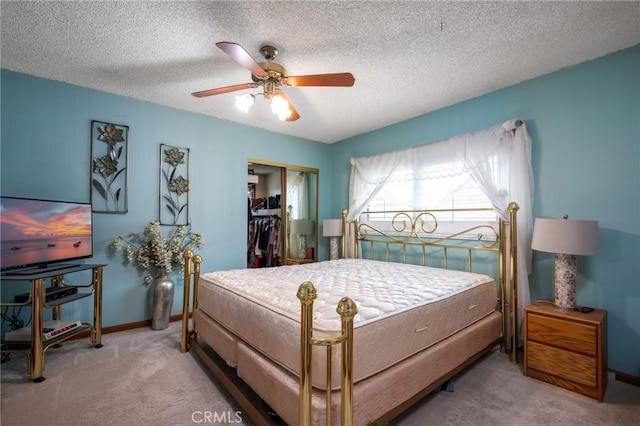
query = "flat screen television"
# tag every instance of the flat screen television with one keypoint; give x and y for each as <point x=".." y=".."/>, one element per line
<point x="43" y="233"/>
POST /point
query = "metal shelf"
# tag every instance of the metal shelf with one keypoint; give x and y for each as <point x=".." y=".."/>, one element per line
<point x="37" y="345"/>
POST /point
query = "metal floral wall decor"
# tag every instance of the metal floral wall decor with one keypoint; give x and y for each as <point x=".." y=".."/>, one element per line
<point x="109" y="158"/>
<point x="174" y="185"/>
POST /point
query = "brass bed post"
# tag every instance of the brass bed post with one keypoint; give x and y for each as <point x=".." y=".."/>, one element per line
<point x="188" y="254"/>
<point x="350" y="239"/>
<point x="307" y="294"/>
<point x="513" y="278"/>
<point x="347" y="310"/>
<point x="356" y="238"/>
<point x="344" y="233"/>
<point x="502" y="273"/>
<point x="189" y="261"/>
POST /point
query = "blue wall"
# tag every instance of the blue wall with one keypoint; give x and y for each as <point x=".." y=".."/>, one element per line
<point x="584" y="122"/>
<point x="585" y="126"/>
<point x="46" y="150"/>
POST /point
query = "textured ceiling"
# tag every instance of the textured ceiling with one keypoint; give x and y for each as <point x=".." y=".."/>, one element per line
<point x="408" y="58"/>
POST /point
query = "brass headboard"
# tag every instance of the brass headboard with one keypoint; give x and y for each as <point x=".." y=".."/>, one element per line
<point x="416" y="236"/>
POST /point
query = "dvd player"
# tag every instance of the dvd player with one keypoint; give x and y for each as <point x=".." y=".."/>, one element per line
<point x="52" y="293"/>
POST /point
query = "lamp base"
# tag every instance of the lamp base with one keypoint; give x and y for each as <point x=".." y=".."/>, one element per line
<point x="565" y="281"/>
<point x="333" y="248"/>
<point x="302" y="247"/>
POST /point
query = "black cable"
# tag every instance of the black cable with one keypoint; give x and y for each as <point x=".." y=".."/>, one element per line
<point x="14" y="320"/>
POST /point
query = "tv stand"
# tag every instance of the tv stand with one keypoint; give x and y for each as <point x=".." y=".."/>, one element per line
<point x="39" y="269"/>
<point x="37" y="345"/>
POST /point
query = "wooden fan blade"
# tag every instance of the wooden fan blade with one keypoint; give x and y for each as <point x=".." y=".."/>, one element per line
<point x="344" y="79"/>
<point x="238" y="54"/>
<point x="294" y="114"/>
<point x="226" y="89"/>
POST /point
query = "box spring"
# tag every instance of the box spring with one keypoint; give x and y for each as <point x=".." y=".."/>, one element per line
<point x="403" y="309"/>
<point x="373" y="397"/>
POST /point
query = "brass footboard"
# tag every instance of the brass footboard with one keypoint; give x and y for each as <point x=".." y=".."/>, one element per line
<point x="307" y="294"/>
<point x="347" y="310"/>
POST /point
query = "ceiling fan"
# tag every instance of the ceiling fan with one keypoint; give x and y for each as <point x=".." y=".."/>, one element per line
<point x="271" y="76"/>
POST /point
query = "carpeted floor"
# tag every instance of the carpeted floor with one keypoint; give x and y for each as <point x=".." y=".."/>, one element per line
<point x="140" y="377"/>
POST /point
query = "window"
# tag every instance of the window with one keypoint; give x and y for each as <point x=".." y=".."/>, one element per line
<point x="448" y="190"/>
<point x="497" y="160"/>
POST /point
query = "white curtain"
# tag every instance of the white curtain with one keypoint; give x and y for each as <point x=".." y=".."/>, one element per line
<point x="497" y="159"/>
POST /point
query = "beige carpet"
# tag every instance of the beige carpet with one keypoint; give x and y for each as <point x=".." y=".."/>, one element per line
<point x="140" y="377"/>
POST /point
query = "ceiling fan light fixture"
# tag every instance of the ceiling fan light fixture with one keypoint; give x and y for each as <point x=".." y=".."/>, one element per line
<point x="244" y="102"/>
<point x="280" y="107"/>
<point x="270" y="76"/>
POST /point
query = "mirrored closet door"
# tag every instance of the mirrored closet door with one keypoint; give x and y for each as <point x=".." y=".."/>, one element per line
<point x="282" y="214"/>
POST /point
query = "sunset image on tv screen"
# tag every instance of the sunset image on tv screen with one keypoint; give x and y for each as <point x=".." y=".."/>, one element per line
<point x="41" y="231"/>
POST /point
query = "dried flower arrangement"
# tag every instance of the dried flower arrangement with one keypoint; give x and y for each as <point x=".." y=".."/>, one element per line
<point x="154" y="254"/>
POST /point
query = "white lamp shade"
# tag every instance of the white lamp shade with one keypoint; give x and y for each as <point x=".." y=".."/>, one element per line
<point x="302" y="226"/>
<point x="252" y="179"/>
<point x="565" y="236"/>
<point x="332" y="228"/>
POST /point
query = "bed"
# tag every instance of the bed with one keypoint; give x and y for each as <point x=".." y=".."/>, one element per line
<point x="394" y="314"/>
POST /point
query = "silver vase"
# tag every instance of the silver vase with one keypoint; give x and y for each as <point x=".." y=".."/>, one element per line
<point x="163" y="289"/>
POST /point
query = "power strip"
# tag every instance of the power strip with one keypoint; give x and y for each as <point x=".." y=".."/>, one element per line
<point x="50" y="329"/>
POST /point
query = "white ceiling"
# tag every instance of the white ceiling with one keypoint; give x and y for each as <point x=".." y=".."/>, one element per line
<point x="408" y="58"/>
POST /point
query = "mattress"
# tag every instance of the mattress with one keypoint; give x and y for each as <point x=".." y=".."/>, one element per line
<point x="402" y="309"/>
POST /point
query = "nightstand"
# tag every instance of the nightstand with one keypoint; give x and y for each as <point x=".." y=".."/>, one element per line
<point x="566" y="348"/>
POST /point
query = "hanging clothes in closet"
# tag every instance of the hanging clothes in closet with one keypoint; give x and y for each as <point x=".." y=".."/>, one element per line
<point x="264" y="245"/>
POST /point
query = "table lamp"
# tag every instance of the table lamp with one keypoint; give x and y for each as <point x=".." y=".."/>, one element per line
<point x="567" y="238"/>
<point x="302" y="228"/>
<point x="332" y="228"/>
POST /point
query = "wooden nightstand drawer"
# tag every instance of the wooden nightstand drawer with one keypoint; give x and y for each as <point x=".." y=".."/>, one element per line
<point x="570" y="335"/>
<point x="566" y="348"/>
<point x="567" y="365"/>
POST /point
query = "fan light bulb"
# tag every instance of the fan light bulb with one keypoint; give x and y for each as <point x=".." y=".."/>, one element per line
<point x="244" y="102"/>
<point x="280" y="107"/>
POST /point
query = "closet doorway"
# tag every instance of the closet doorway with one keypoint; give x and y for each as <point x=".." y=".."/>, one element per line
<point x="282" y="214"/>
<point x="265" y="215"/>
